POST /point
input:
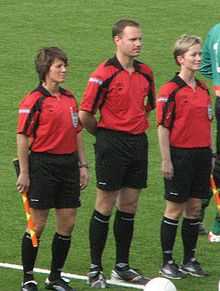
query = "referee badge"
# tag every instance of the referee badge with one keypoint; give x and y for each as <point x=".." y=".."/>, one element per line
<point x="74" y="116"/>
<point x="209" y="112"/>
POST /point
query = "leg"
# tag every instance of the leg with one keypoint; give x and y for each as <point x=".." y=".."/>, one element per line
<point x="190" y="228"/>
<point x="214" y="234"/>
<point x="116" y="167"/>
<point x="98" y="231"/>
<point x="169" y="224"/>
<point x="28" y="252"/>
<point x="124" y="223"/>
<point x="39" y="212"/>
<point x="123" y="230"/>
<point x="205" y="204"/>
<point x="65" y="220"/>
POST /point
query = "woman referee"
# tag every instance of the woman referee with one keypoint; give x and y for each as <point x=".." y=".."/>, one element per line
<point x="52" y="163"/>
<point x="184" y="130"/>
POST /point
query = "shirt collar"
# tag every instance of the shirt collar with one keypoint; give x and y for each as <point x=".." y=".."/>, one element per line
<point x="115" y="62"/>
<point x="46" y="93"/>
<point x="179" y="81"/>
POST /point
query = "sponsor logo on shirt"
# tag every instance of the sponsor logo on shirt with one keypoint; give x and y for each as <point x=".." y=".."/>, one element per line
<point x="95" y="80"/>
<point x="24" y="110"/>
<point x="162" y="99"/>
<point x="209" y="112"/>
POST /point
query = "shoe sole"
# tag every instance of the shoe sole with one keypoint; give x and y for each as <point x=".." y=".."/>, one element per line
<point x="117" y="278"/>
<point x="193" y="274"/>
<point x="52" y="288"/>
<point x="102" y="285"/>
<point x="171" y="277"/>
<point x="98" y="285"/>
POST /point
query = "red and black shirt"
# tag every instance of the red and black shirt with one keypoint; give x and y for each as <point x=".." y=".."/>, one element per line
<point x="50" y="122"/>
<point x="187" y="113"/>
<point x="123" y="99"/>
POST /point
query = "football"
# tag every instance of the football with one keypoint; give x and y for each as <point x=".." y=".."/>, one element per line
<point x="159" y="284"/>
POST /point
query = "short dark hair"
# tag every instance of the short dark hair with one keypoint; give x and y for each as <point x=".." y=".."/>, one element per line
<point x="44" y="59"/>
<point x="120" y="25"/>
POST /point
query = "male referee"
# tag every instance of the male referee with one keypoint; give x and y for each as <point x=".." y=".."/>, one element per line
<point x="122" y="90"/>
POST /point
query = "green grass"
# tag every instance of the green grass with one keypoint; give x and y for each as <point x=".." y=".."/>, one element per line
<point x="83" y="29"/>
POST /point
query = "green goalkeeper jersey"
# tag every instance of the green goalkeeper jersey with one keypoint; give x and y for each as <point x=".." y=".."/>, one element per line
<point x="210" y="66"/>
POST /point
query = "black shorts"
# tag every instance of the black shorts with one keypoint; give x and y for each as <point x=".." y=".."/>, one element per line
<point x="192" y="169"/>
<point x="121" y="160"/>
<point x="55" y="181"/>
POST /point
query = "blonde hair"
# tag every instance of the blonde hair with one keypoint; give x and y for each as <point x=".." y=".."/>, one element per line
<point x="184" y="43"/>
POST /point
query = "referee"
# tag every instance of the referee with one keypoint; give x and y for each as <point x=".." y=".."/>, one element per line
<point x="52" y="164"/>
<point x="184" y="128"/>
<point x="122" y="90"/>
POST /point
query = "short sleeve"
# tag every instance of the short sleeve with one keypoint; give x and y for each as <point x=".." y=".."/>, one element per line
<point x="93" y="94"/>
<point x="165" y="108"/>
<point x="27" y="115"/>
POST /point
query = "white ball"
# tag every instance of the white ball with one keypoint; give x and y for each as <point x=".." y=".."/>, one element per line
<point x="159" y="284"/>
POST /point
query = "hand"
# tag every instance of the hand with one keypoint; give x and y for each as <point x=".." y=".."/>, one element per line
<point x="167" y="169"/>
<point x="84" y="178"/>
<point x="23" y="183"/>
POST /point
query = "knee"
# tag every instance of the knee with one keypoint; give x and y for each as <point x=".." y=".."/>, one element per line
<point x="128" y="206"/>
<point x="39" y="228"/>
<point x="65" y="230"/>
<point x="104" y="206"/>
<point x="65" y="225"/>
<point x="173" y="213"/>
<point x="194" y="212"/>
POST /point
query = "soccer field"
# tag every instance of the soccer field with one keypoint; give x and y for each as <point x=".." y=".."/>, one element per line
<point x="83" y="29"/>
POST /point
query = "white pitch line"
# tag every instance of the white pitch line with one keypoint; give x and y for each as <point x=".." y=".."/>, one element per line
<point x="71" y="276"/>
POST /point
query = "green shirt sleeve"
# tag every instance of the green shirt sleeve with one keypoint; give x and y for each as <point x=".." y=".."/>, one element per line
<point x="210" y="66"/>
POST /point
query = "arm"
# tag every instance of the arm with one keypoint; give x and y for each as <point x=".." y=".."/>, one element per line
<point x="206" y="64"/>
<point x="210" y="65"/>
<point x="166" y="166"/>
<point x="83" y="165"/>
<point x="88" y="121"/>
<point x="23" y="181"/>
